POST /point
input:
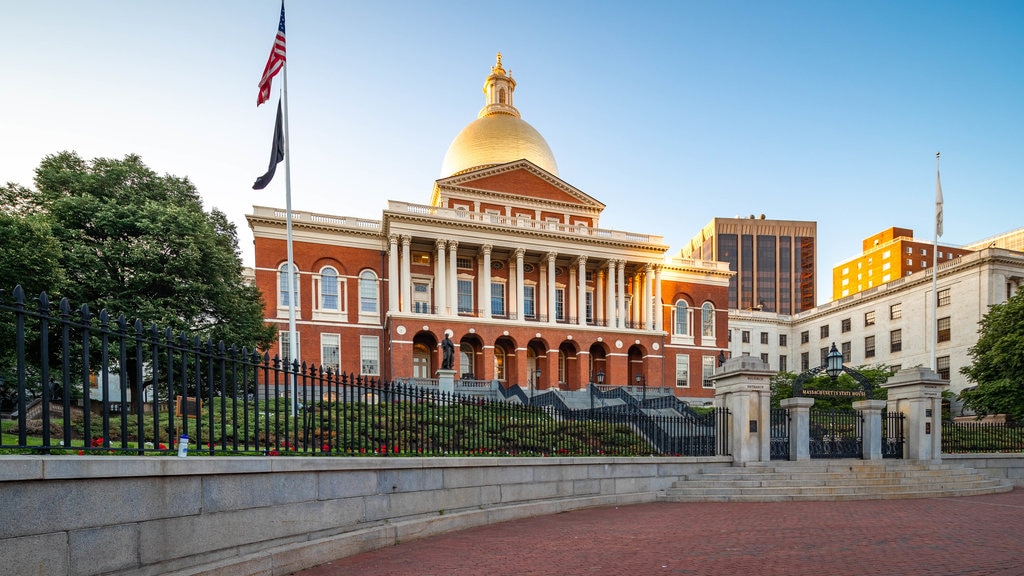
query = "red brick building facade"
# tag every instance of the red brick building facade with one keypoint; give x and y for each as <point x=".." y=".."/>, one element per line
<point x="512" y="260"/>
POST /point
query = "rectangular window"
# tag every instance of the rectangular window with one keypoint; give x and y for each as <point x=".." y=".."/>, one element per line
<point x="590" y="306"/>
<point x="421" y="298"/>
<point x="330" y="352"/>
<point x="764" y="337"/>
<point x="708" y="365"/>
<point x="782" y="340"/>
<point x="845" y="325"/>
<point x="529" y="299"/>
<point x="369" y="356"/>
<point x="284" y="350"/>
<point x="465" y="296"/>
<point x="944" y="297"/>
<point x="497" y="299"/>
<point x="869" y="346"/>
<point x="869" y="318"/>
<point x="764" y="357"/>
<point x="560" y="303"/>
<point x="682" y="371"/>
<point x="847" y="351"/>
<point x="805" y="361"/>
<point x="895" y="341"/>
<point x="824" y="356"/>
<point x="942" y="367"/>
<point x="464" y="263"/>
<point x="746" y="336"/>
<point x="824" y="331"/>
<point x="783" y="367"/>
<point x="943" y="329"/>
<point x="805" y="337"/>
<point x="896" y="311"/>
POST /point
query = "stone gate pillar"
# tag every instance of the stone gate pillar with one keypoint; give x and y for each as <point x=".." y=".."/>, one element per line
<point x="871" y="416"/>
<point x="917" y="394"/>
<point x="743" y="386"/>
<point x="799" y="426"/>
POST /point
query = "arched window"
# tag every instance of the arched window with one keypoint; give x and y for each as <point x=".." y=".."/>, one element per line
<point x="466" y="360"/>
<point x="501" y="96"/>
<point x="367" y="292"/>
<point x="283" y="301"/>
<point x="682" y="318"/>
<point x="499" y="363"/>
<point x="707" y="319"/>
<point x="329" y="289"/>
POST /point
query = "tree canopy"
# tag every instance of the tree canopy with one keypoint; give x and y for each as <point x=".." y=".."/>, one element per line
<point x="113" y="234"/>
<point x="997" y="368"/>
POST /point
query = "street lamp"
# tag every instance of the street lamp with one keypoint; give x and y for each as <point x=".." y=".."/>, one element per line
<point x="834" y="363"/>
<point x="600" y="378"/>
<point x="639" y="381"/>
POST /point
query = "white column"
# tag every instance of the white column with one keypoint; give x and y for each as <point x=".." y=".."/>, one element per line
<point x="540" y="293"/>
<point x="520" y="296"/>
<point x="581" y="299"/>
<point x="648" y="318"/>
<point x="453" y="278"/>
<point x="635" y="302"/>
<point x="551" y="287"/>
<point x="440" y="280"/>
<point x="609" y="303"/>
<point x="599" y="299"/>
<point x="659" y="312"/>
<point x="620" y="308"/>
<point x="406" y="274"/>
<point x="571" y="294"/>
<point x="393" y="272"/>
<point x="485" y="276"/>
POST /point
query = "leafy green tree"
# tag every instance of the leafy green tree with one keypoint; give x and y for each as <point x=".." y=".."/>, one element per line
<point x="133" y="242"/>
<point x="997" y="368"/>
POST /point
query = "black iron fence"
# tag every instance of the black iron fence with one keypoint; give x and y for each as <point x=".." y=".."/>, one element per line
<point x="89" y="383"/>
<point x="779" y="434"/>
<point x="972" y="436"/>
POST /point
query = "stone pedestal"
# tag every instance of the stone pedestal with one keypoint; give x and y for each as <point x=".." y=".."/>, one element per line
<point x="446" y="381"/>
<point x="917" y="394"/>
<point x="743" y="386"/>
<point x="871" y="416"/>
<point x="799" y="426"/>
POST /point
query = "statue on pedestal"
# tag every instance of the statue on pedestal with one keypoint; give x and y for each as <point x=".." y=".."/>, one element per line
<point x="447" y="351"/>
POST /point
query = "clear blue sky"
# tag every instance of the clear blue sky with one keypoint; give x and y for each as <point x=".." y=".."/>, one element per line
<point x="670" y="113"/>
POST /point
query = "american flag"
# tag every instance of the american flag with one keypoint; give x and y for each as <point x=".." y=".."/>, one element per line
<point x="274" y="63"/>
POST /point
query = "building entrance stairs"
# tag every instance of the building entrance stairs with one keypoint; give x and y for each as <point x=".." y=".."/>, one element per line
<point x="824" y="480"/>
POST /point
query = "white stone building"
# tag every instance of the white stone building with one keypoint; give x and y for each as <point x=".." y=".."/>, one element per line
<point x="889" y="324"/>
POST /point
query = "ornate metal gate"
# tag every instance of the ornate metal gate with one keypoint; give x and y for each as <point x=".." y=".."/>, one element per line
<point x="836" y="433"/>
<point x="779" y="430"/>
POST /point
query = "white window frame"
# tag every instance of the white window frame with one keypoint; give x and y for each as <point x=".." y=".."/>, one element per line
<point x="368" y="278"/>
<point x="460" y="298"/>
<point x="707" y="371"/>
<point x="500" y="294"/>
<point x="330" y="341"/>
<point x="282" y="290"/>
<point x="369" y="355"/>
<point x="682" y="371"/>
<point x="282" y="345"/>
<point x="320" y="311"/>
<point x="529" y="301"/>
<point x="707" y="320"/>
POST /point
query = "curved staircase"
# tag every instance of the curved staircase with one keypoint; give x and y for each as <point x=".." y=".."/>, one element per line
<point x="832" y="480"/>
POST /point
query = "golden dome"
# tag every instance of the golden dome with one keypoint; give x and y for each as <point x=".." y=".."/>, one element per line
<point x="498" y="135"/>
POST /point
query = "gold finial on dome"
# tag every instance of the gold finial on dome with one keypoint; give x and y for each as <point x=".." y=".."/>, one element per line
<point x="497" y="69"/>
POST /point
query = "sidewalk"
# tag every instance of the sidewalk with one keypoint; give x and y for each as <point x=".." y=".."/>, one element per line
<point x="976" y="535"/>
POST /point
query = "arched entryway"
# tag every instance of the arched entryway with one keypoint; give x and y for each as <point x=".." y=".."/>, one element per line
<point x="568" y="366"/>
<point x="505" y="365"/>
<point x="470" y="353"/>
<point x="598" y="369"/>
<point x="637" y="369"/>
<point x="425" y="363"/>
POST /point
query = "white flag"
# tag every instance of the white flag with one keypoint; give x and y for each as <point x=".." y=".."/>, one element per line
<point x="938" y="204"/>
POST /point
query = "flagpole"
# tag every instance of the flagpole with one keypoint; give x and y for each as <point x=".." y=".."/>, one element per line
<point x="935" y="264"/>
<point x="293" y="343"/>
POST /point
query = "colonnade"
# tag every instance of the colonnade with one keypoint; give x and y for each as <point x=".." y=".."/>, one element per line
<point x="609" y="287"/>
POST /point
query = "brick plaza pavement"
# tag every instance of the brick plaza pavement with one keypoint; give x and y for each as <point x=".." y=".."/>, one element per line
<point x="975" y="535"/>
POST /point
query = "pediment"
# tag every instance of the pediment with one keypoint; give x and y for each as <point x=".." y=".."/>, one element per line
<point x="521" y="179"/>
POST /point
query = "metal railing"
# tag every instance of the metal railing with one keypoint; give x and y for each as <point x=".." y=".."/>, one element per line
<point x="977" y="436"/>
<point x="89" y="383"/>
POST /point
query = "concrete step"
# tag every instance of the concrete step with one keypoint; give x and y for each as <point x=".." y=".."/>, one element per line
<point x="832" y="480"/>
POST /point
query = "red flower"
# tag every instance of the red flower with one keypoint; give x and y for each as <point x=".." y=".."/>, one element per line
<point x="273" y="453"/>
<point x="81" y="452"/>
<point x="396" y="450"/>
<point x="162" y="446"/>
